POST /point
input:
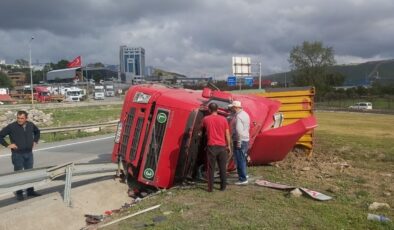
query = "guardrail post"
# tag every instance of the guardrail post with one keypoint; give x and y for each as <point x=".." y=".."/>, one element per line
<point x="67" y="184"/>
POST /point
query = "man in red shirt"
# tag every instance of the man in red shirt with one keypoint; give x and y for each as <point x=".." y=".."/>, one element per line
<point x="218" y="135"/>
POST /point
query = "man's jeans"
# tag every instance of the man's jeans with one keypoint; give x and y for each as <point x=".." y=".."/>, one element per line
<point x="22" y="161"/>
<point x="241" y="159"/>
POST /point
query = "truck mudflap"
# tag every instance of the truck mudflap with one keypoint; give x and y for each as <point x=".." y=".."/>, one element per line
<point x="274" y="144"/>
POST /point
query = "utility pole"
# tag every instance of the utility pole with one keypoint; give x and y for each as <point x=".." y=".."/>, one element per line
<point x="260" y="75"/>
<point x="31" y="72"/>
<point x="285" y="81"/>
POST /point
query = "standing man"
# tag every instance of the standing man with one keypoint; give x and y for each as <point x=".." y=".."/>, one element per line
<point x="24" y="136"/>
<point x="240" y="137"/>
<point x="218" y="135"/>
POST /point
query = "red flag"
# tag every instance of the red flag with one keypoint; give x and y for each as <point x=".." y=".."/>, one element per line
<point x="75" y="63"/>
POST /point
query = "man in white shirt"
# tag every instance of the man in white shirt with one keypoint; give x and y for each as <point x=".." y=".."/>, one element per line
<point x="240" y="137"/>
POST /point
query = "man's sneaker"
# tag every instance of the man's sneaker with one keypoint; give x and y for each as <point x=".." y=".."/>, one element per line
<point x="33" y="194"/>
<point x="247" y="176"/>
<point x="241" y="182"/>
<point x="19" y="196"/>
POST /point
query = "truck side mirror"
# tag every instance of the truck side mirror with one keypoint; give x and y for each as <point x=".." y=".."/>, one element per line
<point x="206" y="93"/>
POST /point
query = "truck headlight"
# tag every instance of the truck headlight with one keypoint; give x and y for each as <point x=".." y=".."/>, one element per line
<point x="118" y="131"/>
<point x="140" y="97"/>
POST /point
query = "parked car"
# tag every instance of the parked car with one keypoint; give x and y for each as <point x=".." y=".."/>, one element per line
<point x="361" y="106"/>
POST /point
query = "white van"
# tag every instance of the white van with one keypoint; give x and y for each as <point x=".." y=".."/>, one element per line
<point x="362" y="106"/>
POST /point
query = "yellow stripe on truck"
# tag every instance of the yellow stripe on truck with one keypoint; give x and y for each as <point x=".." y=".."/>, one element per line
<point x="297" y="103"/>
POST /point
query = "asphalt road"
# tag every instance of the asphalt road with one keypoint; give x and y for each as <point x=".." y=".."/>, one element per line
<point x="84" y="150"/>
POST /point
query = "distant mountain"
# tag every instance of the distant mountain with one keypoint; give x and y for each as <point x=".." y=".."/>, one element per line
<point x="355" y="74"/>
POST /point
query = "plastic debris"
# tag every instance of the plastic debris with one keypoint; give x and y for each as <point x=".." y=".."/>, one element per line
<point x="311" y="193"/>
<point x="379" y="218"/>
<point x="268" y="184"/>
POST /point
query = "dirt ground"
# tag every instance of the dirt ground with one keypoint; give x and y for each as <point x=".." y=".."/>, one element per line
<point x="330" y="169"/>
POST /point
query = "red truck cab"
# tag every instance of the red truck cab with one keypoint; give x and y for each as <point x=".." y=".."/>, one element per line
<point x="160" y="141"/>
<point x="42" y="94"/>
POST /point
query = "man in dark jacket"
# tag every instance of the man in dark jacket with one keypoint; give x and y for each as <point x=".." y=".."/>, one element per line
<point x="24" y="136"/>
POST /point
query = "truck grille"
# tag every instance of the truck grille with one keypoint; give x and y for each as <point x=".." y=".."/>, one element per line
<point x="126" y="132"/>
<point x="136" y="139"/>
<point x="157" y="137"/>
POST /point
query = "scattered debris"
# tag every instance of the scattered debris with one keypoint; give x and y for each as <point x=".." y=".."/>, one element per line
<point x="108" y="212"/>
<point x="342" y="166"/>
<point x="273" y="185"/>
<point x="167" y="213"/>
<point x="93" y="219"/>
<point x="376" y="206"/>
<point x="311" y="193"/>
<point x="306" y="169"/>
<point x="316" y="195"/>
<point x="379" y="218"/>
<point x="129" y="216"/>
<point x="387" y="193"/>
<point x="296" y="193"/>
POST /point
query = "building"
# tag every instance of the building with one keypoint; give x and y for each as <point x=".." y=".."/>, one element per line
<point x="132" y="63"/>
<point x="17" y="78"/>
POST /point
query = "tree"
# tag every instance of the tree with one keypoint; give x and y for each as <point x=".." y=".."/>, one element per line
<point x="5" y="81"/>
<point x="96" y="65"/>
<point x="62" y="64"/>
<point x="310" y="63"/>
<point x="22" y="62"/>
<point x="97" y="76"/>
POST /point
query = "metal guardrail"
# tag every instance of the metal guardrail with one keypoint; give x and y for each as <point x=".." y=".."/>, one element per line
<point x="11" y="182"/>
<point x="78" y="127"/>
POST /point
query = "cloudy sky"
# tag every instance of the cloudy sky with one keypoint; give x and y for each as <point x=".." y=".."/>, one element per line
<point x="195" y="37"/>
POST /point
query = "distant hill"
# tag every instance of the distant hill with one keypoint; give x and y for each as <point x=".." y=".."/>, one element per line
<point x="355" y="74"/>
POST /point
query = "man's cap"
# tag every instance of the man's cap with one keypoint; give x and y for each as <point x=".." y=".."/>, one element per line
<point x="235" y="104"/>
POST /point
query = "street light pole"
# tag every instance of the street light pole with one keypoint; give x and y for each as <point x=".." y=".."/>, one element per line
<point x="260" y="75"/>
<point x="31" y="71"/>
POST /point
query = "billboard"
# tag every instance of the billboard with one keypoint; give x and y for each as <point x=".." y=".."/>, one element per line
<point x="231" y="81"/>
<point x="242" y="66"/>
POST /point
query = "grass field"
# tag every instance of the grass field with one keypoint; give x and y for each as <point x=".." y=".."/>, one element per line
<point x="352" y="162"/>
<point x="84" y="115"/>
<point x="81" y="115"/>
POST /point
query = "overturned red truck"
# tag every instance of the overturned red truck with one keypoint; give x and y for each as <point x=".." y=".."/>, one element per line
<point x="159" y="140"/>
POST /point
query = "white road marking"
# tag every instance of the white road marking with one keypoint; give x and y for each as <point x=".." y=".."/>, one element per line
<point x="59" y="146"/>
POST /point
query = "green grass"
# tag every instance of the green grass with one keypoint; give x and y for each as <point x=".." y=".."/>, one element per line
<point x="84" y="115"/>
<point x="365" y="142"/>
<point x="81" y="115"/>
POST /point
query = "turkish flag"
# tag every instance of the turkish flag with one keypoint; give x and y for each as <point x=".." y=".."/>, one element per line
<point x="75" y="63"/>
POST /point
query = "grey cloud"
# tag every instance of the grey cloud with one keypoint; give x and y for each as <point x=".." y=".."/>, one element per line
<point x="195" y="37"/>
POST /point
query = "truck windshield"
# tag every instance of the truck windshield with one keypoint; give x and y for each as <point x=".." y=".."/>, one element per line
<point x="73" y="93"/>
<point x="99" y="90"/>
